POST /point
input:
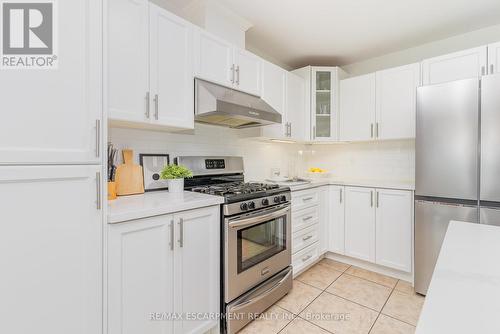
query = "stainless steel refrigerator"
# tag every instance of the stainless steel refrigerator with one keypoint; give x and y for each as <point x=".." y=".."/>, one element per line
<point x="457" y="163"/>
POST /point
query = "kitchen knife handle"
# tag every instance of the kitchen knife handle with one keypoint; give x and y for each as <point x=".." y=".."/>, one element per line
<point x="147" y="104"/>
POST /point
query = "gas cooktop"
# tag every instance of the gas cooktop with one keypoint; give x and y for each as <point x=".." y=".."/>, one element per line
<point x="240" y="191"/>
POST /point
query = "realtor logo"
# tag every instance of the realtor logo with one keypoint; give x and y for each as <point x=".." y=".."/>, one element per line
<point x="28" y="35"/>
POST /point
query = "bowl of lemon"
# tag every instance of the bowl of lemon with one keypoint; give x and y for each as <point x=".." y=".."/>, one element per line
<point x="316" y="172"/>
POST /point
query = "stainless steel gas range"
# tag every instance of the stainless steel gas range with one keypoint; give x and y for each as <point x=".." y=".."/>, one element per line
<point x="255" y="234"/>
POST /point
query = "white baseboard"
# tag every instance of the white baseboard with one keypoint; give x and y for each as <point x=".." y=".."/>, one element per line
<point x="371" y="266"/>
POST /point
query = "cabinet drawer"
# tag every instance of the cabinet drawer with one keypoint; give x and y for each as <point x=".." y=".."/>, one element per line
<point x="305" y="218"/>
<point x="304" y="199"/>
<point x="305" y="257"/>
<point x="304" y="238"/>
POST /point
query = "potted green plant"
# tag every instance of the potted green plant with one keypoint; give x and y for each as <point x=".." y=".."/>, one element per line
<point x="175" y="175"/>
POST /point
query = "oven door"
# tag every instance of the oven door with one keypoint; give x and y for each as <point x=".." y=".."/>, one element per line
<point x="257" y="247"/>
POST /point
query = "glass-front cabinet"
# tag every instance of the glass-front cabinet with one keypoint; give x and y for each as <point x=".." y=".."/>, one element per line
<point x="324" y="96"/>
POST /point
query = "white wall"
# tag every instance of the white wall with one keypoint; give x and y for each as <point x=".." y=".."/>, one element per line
<point x="259" y="157"/>
<point x="460" y="42"/>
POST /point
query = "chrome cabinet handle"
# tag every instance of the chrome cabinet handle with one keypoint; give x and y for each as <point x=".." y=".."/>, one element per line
<point x="98" y="190"/>
<point x="371" y="130"/>
<point x="307" y="238"/>
<point x="290" y="127"/>
<point x="181" y="232"/>
<point x="377" y="196"/>
<point x="371" y="198"/>
<point x="307" y="218"/>
<point x="492" y="69"/>
<point x="241" y="223"/>
<point x="232" y="74"/>
<point x="483" y="71"/>
<point x="147" y="104"/>
<point x="341" y="195"/>
<point x="98" y="138"/>
<point x="238" y="75"/>
<point x="172" y="235"/>
<point x="307" y="199"/>
<point x="304" y="259"/>
<point x="156" y="101"/>
<point x="376" y="130"/>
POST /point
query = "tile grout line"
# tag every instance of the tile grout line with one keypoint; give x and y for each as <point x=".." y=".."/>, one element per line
<point x="378" y="315"/>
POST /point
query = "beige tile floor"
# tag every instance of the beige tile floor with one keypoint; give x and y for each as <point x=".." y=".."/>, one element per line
<point x="333" y="297"/>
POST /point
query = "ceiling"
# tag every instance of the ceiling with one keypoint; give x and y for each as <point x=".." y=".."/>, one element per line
<point x="340" y="32"/>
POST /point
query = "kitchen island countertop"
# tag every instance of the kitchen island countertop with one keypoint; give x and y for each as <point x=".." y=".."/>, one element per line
<point x="464" y="293"/>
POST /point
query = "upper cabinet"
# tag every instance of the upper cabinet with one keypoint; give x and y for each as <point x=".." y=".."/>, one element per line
<point x="357" y="105"/>
<point x="296" y="107"/>
<point x="219" y="61"/>
<point x="494" y="58"/>
<point x="53" y="115"/>
<point x="322" y="87"/>
<point x="274" y="93"/>
<point x="455" y="66"/>
<point x="396" y="92"/>
<point x="149" y="66"/>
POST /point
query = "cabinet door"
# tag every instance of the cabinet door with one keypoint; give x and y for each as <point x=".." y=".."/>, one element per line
<point x="360" y="223"/>
<point x="274" y="93"/>
<point x="357" y="108"/>
<point x="323" y="104"/>
<point x="336" y="232"/>
<point x="296" y="107"/>
<point x="494" y="58"/>
<point x="464" y="64"/>
<point x="51" y="115"/>
<point x="140" y="276"/>
<point x="214" y="59"/>
<point x="171" y="69"/>
<point x="394" y="229"/>
<point x="50" y="250"/>
<point x="128" y="60"/>
<point x="197" y="266"/>
<point x="396" y="102"/>
<point x="324" y="219"/>
<point x="248" y="71"/>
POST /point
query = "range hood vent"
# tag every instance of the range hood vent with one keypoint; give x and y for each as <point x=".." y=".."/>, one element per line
<point x="219" y="105"/>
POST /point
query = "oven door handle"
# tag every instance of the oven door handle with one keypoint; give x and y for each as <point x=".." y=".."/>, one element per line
<point x="240" y="223"/>
<point x="262" y="294"/>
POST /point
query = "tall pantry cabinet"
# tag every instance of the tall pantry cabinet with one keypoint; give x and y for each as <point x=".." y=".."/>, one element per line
<point x="51" y="175"/>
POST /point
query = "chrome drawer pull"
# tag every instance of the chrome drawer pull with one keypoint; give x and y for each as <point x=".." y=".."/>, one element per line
<point x="307" y="218"/>
<point x="307" y="238"/>
<point x="307" y="199"/>
<point x="304" y="259"/>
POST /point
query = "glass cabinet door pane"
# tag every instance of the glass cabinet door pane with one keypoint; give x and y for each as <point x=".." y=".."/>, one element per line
<point x="323" y="110"/>
<point x="323" y="80"/>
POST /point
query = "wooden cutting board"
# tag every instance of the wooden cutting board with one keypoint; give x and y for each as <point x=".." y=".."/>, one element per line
<point x="129" y="177"/>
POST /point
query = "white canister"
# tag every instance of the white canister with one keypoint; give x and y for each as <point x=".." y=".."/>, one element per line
<point x="176" y="185"/>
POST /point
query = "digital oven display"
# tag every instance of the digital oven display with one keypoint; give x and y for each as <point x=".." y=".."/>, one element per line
<point x="215" y="164"/>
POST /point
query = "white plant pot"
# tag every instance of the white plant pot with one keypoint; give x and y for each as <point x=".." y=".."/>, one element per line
<point x="176" y="186"/>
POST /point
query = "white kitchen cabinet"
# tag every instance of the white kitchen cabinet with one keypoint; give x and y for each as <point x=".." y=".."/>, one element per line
<point x="164" y="264"/>
<point x="324" y="219"/>
<point x="274" y="80"/>
<point x="396" y="93"/>
<point x="220" y="62"/>
<point x="494" y="58"/>
<point x="247" y="72"/>
<point x="357" y="107"/>
<point x="140" y="275"/>
<point x="394" y="229"/>
<point x="360" y="223"/>
<point x="214" y="59"/>
<point x="196" y="268"/>
<point x="51" y="249"/>
<point x="296" y="107"/>
<point x="471" y="63"/>
<point x="337" y="218"/>
<point x="128" y="59"/>
<point x="171" y="69"/>
<point x="150" y="66"/>
<point x="51" y="116"/>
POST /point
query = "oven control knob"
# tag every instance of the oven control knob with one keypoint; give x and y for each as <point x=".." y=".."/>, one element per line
<point x="265" y="201"/>
<point x="251" y="205"/>
<point x="283" y="198"/>
<point x="244" y="206"/>
<point x="276" y="199"/>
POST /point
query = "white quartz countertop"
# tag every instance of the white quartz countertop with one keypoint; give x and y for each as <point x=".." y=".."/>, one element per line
<point x="464" y="294"/>
<point x="401" y="185"/>
<point x="157" y="203"/>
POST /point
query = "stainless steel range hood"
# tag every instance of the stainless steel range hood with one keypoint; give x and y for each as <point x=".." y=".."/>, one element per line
<point x="218" y="105"/>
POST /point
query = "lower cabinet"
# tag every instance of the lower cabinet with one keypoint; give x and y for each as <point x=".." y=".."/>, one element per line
<point x="336" y="222"/>
<point x="379" y="225"/>
<point x="161" y="268"/>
